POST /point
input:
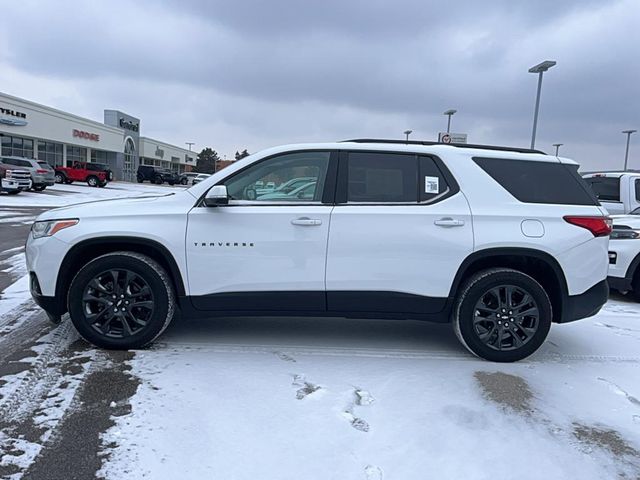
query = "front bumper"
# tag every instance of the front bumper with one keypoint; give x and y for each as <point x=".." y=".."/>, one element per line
<point x="587" y="304"/>
<point x="54" y="306"/>
<point x="13" y="184"/>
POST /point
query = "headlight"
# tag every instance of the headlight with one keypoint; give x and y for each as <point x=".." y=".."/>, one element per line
<point x="50" y="227"/>
<point x="624" y="234"/>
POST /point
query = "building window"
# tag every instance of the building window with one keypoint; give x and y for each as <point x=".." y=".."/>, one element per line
<point x="50" y="152"/>
<point x="17" y="147"/>
<point x="76" y="154"/>
<point x="98" y="156"/>
<point x="129" y="159"/>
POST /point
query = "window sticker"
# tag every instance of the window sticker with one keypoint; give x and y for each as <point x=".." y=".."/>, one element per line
<point x="431" y="185"/>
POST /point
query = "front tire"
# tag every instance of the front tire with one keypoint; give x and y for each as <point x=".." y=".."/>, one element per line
<point x="92" y="181"/>
<point x="502" y="315"/>
<point x="121" y="300"/>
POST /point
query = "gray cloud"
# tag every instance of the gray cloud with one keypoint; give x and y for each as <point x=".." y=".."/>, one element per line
<point x="239" y="74"/>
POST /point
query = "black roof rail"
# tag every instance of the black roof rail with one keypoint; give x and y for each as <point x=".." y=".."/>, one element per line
<point x="460" y="145"/>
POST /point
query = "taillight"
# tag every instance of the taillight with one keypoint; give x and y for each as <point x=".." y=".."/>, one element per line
<point x="40" y="170"/>
<point x="598" y="226"/>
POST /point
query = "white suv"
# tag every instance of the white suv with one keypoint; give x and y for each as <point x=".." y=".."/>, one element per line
<point x="502" y="242"/>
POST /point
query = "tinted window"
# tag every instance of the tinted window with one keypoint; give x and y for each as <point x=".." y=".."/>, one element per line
<point x="539" y="182"/>
<point x="605" y="188"/>
<point x="382" y="178"/>
<point x="637" y="190"/>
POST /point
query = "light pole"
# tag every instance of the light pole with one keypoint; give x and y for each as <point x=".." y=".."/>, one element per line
<point x="449" y="113"/>
<point x="557" y="145"/>
<point x="189" y="143"/>
<point x="407" y="133"/>
<point x="539" y="69"/>
<point x="626" y="153"/>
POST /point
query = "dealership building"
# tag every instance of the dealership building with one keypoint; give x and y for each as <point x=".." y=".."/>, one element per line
<point x="31" y="130"/>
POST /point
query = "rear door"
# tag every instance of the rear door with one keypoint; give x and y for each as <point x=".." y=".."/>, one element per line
<point x="399" y="232"/>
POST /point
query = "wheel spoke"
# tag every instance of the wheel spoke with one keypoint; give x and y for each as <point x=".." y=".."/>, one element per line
<point x="126" y="328"/>
<point x="93" y="298"/>
<point x="96" y="285"/>
<point x="143" y="291"/>
<point x="145" y="304"/>
<point x="95" y="317"/>
<point x="114" y="276"/>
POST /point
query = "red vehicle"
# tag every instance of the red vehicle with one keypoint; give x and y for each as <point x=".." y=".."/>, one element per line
<point x="95" y="174"/>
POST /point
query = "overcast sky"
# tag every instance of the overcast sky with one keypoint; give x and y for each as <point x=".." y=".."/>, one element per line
<point x="234" y="75"/>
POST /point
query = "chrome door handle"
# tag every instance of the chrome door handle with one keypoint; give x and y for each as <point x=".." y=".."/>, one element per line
<point x="449" y="222"/>
<point x="306" y="222"/>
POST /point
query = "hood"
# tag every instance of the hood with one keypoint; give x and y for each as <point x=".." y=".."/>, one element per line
<point x="128" y="206"/>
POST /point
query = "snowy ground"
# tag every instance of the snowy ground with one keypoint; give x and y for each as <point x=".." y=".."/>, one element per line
<point x="293" y="398"/>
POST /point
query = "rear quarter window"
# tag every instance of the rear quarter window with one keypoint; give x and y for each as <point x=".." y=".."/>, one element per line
<point x="539" y="182"/>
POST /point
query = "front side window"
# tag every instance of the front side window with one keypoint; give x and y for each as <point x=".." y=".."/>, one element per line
<point x="292" y="177"/>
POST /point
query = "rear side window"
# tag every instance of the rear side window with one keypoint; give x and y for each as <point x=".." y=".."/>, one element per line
<point x="382" y="178"/>
<point x="539" y="182"/>
<point x="606" y="189"/>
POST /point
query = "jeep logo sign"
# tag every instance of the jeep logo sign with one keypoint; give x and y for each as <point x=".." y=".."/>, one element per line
<point x="86" y="135"/>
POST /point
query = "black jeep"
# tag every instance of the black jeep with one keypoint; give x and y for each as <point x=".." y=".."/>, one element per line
<point x="157" y="175"/>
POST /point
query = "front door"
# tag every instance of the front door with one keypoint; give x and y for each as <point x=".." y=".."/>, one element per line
<point x="399" y="231"/>
<point x="266" y="250"/>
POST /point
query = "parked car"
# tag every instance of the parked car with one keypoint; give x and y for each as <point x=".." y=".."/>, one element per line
<point x="95" y="174"/>
<point x="42" y="175"/>
<point x="618" y="192"/>
<point x="285" y="187"/>
<point x="200" y="178"/>
<point x="304" y="192"/>
<point x="14" y="180"/>
<point x="187" y="178"/>
<point x="157" y="175"/>
<point x="624" y="254"/>
<point x="501" y="242"/>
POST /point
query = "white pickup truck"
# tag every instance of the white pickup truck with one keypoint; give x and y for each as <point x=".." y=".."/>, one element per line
<point x="618" y="192"/>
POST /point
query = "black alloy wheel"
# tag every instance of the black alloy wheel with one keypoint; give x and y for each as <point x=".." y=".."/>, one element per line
<point x="506" y="317"/>
<point x="121" y="300"/>
<point x="502" y="314"/>
<point x="118" y="303"/>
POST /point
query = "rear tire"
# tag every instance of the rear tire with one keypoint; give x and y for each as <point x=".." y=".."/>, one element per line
<point x="158" y="180"/>
<point x="502" y="315"/>
<point x="13" y="192"/>
<point x="39" y="188"/>
<point x="140" y="180"/>
<point x="138" y="280"/>
<point x="60" y="177"/>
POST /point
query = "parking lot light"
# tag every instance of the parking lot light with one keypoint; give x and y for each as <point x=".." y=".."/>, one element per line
<point x="539" y="69"/>
<point x="449" y="113"/>
<point x="626" y="153"/>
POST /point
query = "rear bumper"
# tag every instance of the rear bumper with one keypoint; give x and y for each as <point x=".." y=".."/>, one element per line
<point x="586" y="304"/>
